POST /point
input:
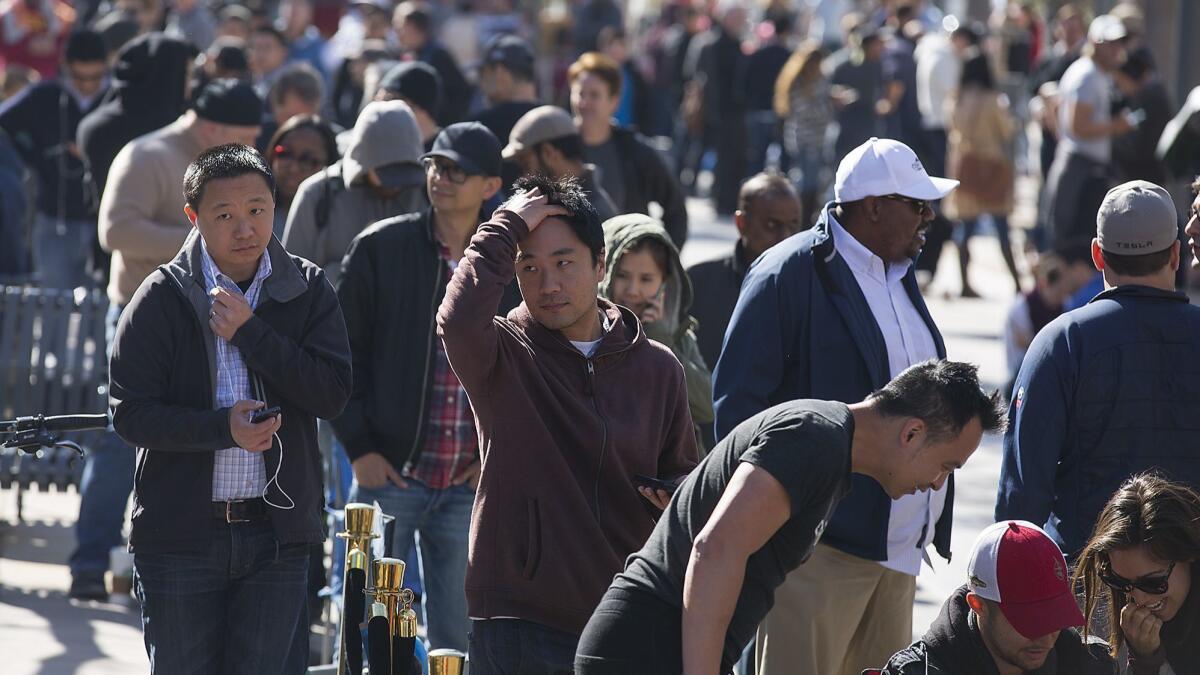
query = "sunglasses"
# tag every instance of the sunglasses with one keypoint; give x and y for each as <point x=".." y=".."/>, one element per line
<point x="451" y="172"/>
<point x="304" y="159"/>
<point x="919" y="205"/>
<point x="1152" y="585"/>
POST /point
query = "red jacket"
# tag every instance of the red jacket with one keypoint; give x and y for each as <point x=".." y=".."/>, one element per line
<point x="561" y="437"/>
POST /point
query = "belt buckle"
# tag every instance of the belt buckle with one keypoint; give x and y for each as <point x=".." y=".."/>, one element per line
<point x="229" y="514"/>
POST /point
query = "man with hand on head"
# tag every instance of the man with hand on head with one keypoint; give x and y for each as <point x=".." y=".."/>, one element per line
<point x="408" y="427"/>
<point x="573" y="402"/>
<point x="753" y="511"/>
<point x="227" y="507"/>
<point x="1016" y="614"/>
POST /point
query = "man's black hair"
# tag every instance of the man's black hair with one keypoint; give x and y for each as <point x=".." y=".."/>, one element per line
<point x="567" y="193"/>
<point x="571" y="146"/>
<point x="85" y="45"/>
<point x="1137" y="265"/>
<point x="224" y="161"/>
<point x="273" y="32"/>
<point x="944" y="394"/>
<point x="418" y="18"/>
<point x="301" y="80"/>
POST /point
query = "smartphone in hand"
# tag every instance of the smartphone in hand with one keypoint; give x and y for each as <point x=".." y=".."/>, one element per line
<point x="264" y="414"/>
<point x="654" y="483"/>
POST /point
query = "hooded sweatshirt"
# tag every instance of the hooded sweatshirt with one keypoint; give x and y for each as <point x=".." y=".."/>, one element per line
<point x="953" y="646"/>
<point x="331" y="207"/>
<point x="147" y="94"/>
<point x="561" y="438"/>
<point x="676" y="329"/>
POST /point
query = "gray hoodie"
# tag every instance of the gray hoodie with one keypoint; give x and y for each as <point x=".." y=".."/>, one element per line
<point x="333" y="206"/>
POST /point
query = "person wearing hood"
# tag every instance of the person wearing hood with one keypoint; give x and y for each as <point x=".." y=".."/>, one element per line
<point x="572" y="403"/>
<point x="150" y="89"/>
<point x="41" y="124"/>
<point x="643" y="272"/>
<point x="1016" y="614"/>
<point x="379" y="177"/>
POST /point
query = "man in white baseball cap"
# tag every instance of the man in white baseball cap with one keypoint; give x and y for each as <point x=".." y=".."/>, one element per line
<point x="834" y="313"/>
<point x="1015" y="614"/>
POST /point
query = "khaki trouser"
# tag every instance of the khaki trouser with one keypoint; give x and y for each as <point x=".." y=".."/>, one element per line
<point x="836" y="614"/>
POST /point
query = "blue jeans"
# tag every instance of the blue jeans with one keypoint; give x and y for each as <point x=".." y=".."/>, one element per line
<point x="441" y="521"/>
<point x="227" y="610"/>
<point x="61" y="251"/>
<point x="517" y="647"/>
<point x="104" y="491"/>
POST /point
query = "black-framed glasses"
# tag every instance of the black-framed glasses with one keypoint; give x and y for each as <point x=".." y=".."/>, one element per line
<point x="1152" y="585"/>
<point x="304" y="159"/>
<point x="919" y="205"/>
<point x="448" y="170"/>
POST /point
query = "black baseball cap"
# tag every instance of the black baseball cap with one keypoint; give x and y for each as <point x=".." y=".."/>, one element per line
<point x="511" y="52"/>
<point x="416" y="82"/>
<point x="471" y="146"/>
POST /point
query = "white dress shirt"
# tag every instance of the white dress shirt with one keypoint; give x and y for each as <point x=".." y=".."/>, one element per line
<point x="237" y="473"/>
<point x="908" y="342"/>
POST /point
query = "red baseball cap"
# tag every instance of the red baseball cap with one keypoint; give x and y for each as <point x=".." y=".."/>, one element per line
<point x="1016" y="564"/>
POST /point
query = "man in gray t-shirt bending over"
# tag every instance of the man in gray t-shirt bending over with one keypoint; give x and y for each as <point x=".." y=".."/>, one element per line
<point x="753" y="510"/>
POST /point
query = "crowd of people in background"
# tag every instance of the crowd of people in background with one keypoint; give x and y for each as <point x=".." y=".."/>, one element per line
<point x="527" y="423"/>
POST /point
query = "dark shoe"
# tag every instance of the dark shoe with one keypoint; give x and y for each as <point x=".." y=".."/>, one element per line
<point x="968" y="292"/>
<point x="89" y="586"/>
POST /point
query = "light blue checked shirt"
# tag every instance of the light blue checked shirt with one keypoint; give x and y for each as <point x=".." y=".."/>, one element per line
<point x="237" y="473"/>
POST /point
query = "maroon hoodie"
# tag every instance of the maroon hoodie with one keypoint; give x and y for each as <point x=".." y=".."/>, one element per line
<point x="561" y="437"/>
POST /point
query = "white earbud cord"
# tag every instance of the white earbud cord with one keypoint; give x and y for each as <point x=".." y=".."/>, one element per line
<point x="262" y="395"/>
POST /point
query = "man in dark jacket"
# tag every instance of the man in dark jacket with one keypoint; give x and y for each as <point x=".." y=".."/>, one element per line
<point x="715" y="62"/>
<point x="227" y="506"/>
<point x="768" y="212"/>
<point x="1016" y="613"/>
<point x="1108" y="390"/>
<point x="408" y="427"/>
<point x="834" y="313"/>
<point x="414" y="31"/>
<point x="41" y="123"/>
<point x="572" y="402"/>
<point x="631" y="170"/>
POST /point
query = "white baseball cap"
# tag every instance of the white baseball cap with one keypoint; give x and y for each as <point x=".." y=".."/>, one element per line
<point x="1106" y="28"/>
<point x="881" y="167"/>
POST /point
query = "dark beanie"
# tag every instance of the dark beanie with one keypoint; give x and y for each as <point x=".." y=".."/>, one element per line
<point x="229" y="102"/>
<point x="416" y="82"/>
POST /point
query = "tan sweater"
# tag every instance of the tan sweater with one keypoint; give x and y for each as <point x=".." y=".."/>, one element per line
<point x="141" y="213"/>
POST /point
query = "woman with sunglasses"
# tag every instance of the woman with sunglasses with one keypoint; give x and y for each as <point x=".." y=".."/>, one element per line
<point x="304" y="145"/>
<point x="1142" y="558"/>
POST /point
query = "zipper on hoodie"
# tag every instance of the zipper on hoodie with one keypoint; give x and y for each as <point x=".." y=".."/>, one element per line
<point x="603" y="437"/>
<point x="429" y="356"/>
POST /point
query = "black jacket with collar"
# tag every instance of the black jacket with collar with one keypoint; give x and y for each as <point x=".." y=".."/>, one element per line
<point x="162" y="390"/>
<point x="718" y="282"/>
<point x="392" y="284"/>
<point x="647" y="179"/>
<point x="953" y="646"/>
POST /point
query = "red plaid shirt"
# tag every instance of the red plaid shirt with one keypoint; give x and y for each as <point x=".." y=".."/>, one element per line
<point x="450" y="444"/>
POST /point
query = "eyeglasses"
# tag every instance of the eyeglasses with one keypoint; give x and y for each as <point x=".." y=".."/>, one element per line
<point x="1153" y="585"/>
<point x="84" y="77"/>
<point x="451" y="172"/>
<point x="306" y="160"/>
<point x="919" y="205"/>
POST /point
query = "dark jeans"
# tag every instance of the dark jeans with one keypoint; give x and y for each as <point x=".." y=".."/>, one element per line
<point x="631" y="634"/>
<point x="233" y="608"/>
<point x="104" y="492"/>
<point x="517" y="647"/>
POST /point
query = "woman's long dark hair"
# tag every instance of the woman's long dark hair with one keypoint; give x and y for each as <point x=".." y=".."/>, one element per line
<point x="1147" y="510"/>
